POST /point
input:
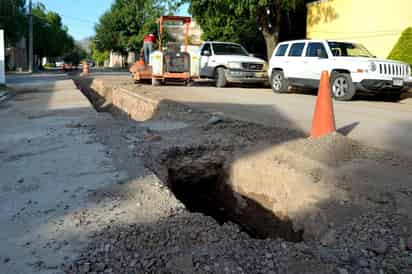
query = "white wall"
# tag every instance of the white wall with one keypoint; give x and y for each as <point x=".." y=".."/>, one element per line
<point x="2" y="59"/>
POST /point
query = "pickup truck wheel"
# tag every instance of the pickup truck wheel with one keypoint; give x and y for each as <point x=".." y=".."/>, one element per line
<point x="342" y="87"/>
<point x="278" y="82"/>
<point x="220" y="77"/>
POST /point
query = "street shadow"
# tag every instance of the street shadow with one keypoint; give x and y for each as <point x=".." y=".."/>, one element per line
<point x="345" y="130"/>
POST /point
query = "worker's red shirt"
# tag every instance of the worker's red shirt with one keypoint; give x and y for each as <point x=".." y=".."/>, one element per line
<point x="150" y="38"/>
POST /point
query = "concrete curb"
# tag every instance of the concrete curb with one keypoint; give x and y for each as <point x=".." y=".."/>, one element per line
<point x="4" y="95"/>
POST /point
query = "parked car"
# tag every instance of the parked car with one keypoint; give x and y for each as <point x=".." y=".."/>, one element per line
<point x="230" y="63"/>
<point x="59" y="64"/>
<point x="68" y="67"/>
<point x="351" y="66"/>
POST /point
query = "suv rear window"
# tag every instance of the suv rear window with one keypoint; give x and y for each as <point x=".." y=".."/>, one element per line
<point x="296" y="49"/>
<point x="281" y="50"/>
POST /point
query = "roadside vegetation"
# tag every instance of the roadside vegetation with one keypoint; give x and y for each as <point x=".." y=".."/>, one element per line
<point x="13" y="15"/>
<point x="256" y="24"/>
<point x="123" y="27"/>
<point x="51" y="37"/>
<point x="403" y="48"/>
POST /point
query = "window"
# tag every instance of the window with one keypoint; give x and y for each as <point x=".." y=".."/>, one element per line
<point x="281" y="50"/>
<point x="296" y="49"/>
<point x="349" y="49"/>
<point x="229" y="49"/>
<point x="206" y="47"/>
<point x="316" y="50"/>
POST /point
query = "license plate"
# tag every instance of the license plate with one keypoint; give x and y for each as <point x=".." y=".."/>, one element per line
<point x="259" y="74"/>
<point x="398" y="82"/>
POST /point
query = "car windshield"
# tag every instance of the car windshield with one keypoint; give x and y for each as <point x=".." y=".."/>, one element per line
<point x="349" y="49"/>
<point x="228" y="49"/>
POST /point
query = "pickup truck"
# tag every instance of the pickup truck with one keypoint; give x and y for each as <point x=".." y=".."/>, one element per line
<point x="230" y="63"/>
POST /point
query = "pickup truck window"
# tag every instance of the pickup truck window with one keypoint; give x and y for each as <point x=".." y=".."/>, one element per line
<point x="296" y="49"/>
<point x="316" y="50"/>
<point x="228" y="49"/>
<point x="205" y="48"/>
<point x="348" y="49"/>
<point x="281" y="50"/>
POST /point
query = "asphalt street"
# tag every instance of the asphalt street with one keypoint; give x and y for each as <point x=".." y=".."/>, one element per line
<point x="370" y="120"/>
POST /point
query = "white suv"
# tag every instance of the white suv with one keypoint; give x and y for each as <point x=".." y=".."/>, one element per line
<point x="352" y="68"/>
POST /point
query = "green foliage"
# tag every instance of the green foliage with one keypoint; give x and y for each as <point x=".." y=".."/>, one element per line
<point x="50" y="65"/>
<point x="75" y="55"/>
<point x="124" y="26"/>
<point x="13" y="19"/>
<point x="225" y="21"/>
<point x="254" y="23"/>
<point x="402" y="51"/>
<point x="51" y="38"/>
<point x="98" y="56"/>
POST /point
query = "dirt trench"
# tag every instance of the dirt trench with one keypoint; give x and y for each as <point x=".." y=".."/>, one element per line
<point x="289" y="187"/>
<point x="201" y="184"/>
<point x="200" y="181"/>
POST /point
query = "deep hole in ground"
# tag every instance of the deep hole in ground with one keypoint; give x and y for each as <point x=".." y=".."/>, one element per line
<point x="202" y="188"/>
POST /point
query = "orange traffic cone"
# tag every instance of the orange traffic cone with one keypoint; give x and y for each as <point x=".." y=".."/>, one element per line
<point x="324" y="118"/>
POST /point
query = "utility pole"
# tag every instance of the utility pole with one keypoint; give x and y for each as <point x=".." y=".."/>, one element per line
<point x="30" y="38"/>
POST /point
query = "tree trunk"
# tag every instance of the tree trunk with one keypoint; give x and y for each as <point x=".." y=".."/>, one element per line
<point x="271" y="39"/>
<point x="270" y="25"/>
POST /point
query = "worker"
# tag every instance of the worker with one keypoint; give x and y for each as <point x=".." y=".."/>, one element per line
<point x="148" y="43"/>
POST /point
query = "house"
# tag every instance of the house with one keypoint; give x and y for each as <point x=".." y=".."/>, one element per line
<point x="16" y="56"/>
<point x="375" y="24"/>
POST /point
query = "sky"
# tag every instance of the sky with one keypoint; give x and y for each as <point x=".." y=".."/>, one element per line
<point x="81" y="15"/>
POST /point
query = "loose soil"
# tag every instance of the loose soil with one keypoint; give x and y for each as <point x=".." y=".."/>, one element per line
<point x="243" y="198"/>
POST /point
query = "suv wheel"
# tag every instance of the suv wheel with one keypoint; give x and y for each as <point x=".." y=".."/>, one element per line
<point x="278" y="82"/>
<point x="220" y="77"/>
<point x="342" y="87"/>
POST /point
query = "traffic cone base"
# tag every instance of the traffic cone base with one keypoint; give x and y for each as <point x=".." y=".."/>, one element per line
<point x="324" y="117"/>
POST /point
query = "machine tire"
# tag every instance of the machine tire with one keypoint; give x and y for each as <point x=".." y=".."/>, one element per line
<point x="156" y="82"/>
<point x="278" y="83"/>
<point x="341" y="86"/>
<point x="220" y="77"/>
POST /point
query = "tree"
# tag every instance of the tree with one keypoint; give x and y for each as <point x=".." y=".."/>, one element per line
<point x="402" y="51"/>
<point x="98" y="56"/>
<point x="13" y="19"/>
<point x="123" y="27"/>
<point x="75" y="55"/>
<point x="223" y="22"/>
<point x="233" y="19"/>
<point x="51" y="37"/>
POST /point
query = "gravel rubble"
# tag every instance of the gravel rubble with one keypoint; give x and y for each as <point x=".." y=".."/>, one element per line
<point x="174" y="240"/>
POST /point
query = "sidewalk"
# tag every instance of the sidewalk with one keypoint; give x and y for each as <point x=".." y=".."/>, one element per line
<point x="49" y="162"/>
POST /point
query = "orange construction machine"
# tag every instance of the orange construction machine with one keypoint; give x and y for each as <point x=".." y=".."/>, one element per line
<point x="171" y="63"/>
